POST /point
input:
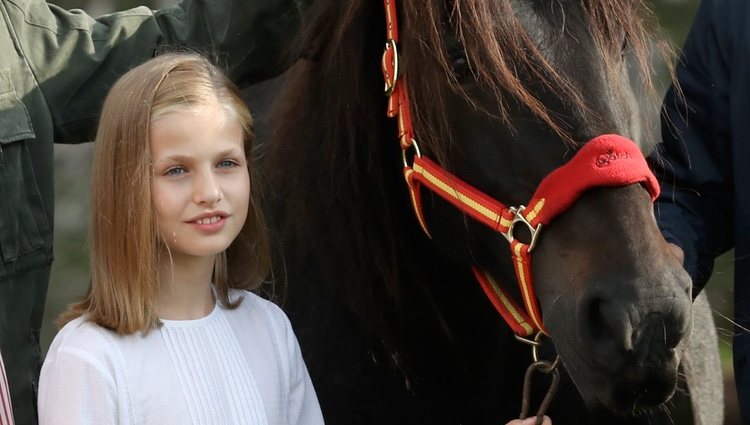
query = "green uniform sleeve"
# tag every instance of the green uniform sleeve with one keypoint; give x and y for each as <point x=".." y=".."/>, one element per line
<point x="76" y="58"/>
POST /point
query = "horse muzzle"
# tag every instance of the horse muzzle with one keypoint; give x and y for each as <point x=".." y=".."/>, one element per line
<point x="632" y="342"/>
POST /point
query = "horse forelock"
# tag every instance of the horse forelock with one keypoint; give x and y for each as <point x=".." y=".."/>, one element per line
<point x="503" y="56"/>
<point x="501" y="52"/>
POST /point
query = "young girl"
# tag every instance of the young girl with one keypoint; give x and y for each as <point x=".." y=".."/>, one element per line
<point x="168" y="333"/>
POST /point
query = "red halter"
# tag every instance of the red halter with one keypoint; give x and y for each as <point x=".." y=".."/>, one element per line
<point x="607" y="160"/>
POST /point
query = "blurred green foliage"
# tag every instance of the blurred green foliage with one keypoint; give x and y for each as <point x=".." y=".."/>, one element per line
<point x="674" y="17"/>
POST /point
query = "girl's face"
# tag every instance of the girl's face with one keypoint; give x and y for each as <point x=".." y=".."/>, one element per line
<point x="200" y="186"/>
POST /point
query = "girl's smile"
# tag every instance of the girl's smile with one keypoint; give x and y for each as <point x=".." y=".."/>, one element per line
<point x="210" y="222"/>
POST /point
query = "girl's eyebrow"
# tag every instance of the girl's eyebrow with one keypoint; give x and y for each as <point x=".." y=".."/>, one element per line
<point x="178" y="157"/>
<point x="234" y="150"/>
<point x="174" y="158"/>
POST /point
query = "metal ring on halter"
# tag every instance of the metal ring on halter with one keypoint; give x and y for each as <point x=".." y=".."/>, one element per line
<point x="519" y="218"/>
<point x="391" y="85"/>
<point x="535" y="353"/>
<point x="535" y="344"/>
<point x="417" y="153"/>
<point x="527" y="341"/>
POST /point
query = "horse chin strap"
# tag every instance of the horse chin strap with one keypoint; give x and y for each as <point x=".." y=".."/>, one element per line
<point x="607" y="160"/>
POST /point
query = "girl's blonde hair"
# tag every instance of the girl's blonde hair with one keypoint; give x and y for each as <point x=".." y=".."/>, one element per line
<point x="124" y="240"/>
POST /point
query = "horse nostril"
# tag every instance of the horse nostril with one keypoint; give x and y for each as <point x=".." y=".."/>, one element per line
<point x="660" y="330"/>
<point x="609" y="324"/>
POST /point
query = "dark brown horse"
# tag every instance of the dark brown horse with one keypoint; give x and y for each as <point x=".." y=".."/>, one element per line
<point x="393" y="325"/>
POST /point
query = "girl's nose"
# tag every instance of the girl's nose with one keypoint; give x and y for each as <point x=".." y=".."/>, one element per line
<point x="207" y="190"/>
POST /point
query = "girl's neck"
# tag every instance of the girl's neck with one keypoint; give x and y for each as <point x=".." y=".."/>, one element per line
<point x="185" y="287"/>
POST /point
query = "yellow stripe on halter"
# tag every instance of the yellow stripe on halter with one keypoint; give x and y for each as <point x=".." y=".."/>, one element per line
<point x="522" y="278"/>
<point x="509" y="305"/>
<point x="451" y="191"/>
<point x="531" y="215"/>
<point x="505" y="223"/>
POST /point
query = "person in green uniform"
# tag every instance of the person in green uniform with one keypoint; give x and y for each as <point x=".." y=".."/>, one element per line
<point x="56" y="67"/>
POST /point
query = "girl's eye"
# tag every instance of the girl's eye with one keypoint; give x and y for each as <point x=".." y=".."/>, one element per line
<point x="175" y="171"/>
<point x="227" y="163"/>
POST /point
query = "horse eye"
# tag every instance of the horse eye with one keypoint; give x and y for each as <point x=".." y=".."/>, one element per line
<point x="461" y="67"/>
<point x="624" y="47"/>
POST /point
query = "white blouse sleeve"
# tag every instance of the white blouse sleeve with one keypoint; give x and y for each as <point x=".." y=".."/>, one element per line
<point x="76" y="388"/>
<point x="304" y="408"/>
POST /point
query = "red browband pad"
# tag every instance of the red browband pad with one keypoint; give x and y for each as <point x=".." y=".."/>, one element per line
<point x="605" y="161"/>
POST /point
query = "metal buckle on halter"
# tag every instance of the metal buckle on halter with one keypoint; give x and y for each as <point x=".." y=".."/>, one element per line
<point x="390" y="85"/>
<point x="417" y="154"/>
<point x="518" y="217"/>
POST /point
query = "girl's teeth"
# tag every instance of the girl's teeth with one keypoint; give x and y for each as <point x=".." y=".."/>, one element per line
<point x="211" y="220"/>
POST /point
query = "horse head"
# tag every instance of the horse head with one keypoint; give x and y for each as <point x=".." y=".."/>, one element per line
<point x="500" y="94"/>
<point x="613" y="298"/>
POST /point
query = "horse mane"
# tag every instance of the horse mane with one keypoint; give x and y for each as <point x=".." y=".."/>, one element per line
<point x="333" y="198"/>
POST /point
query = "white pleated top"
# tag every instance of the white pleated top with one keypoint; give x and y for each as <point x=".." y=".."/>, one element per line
<point x="6" y="410"/>
<point x="240" y="366"/>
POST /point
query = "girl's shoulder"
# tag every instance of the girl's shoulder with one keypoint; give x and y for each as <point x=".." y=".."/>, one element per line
<point x="82" y="333"/>
<point x="253" y="301"/>
<point x="259" y="309"/>
<point x="81" y="340"/>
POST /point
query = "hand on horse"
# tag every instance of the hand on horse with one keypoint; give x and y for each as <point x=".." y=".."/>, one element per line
<point x="530" y="421"/>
